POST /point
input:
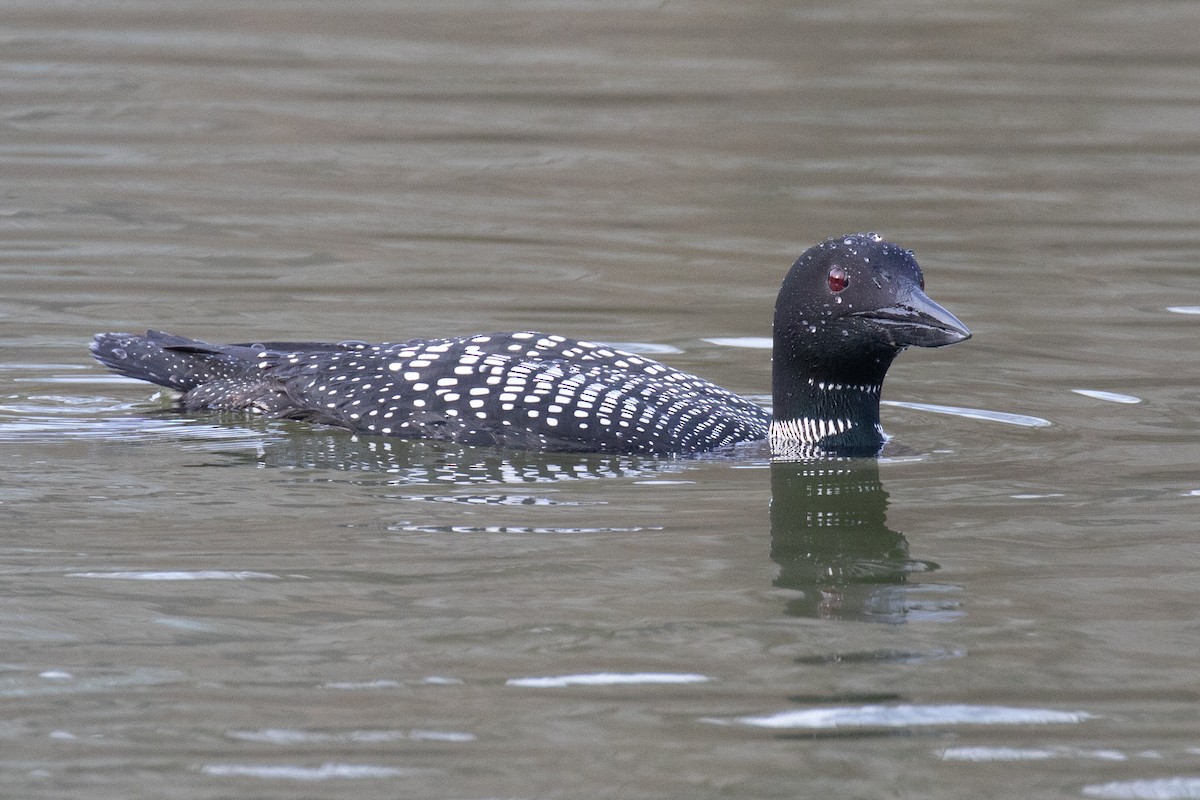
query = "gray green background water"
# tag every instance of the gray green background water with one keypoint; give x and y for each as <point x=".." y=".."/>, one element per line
<point x="218" y="608"/>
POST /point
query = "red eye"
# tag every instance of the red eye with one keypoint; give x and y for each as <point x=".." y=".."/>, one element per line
<point x="838" y="279"/>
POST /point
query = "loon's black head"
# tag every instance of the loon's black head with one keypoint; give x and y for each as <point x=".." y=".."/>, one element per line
<point x="847" y="307"/>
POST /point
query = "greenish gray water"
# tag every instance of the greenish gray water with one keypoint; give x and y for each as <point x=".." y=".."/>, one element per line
<point x="205" y="607"/>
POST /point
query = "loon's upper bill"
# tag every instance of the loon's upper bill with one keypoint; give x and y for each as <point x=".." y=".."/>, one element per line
<point x="919" y="322"/>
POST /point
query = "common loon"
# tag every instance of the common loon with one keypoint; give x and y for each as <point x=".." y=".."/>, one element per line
<point x="847" y="307"/>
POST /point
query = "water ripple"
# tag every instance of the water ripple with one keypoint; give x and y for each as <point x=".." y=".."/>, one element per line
<point x="284" y="736"/>
<point x="1022" y="420"/>
<point x="987" y="754"/>
<point x="296" y="772"/>
<point x="752" y="342"/>
<point x="1152" y="789"/>
<point x="912" y="715"/>
<point x="1111" y="397"/>
<point x="607" y="679"/>
<point x="196" y="575"/>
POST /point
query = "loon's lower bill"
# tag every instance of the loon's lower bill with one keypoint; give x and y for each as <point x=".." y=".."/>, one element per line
<point x="847" y="307"/>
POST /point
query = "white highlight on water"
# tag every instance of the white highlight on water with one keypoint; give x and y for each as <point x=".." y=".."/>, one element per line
<point x="1111" y="397"/>
<point x="985" y="754"/>
<point x="286" y="736"/>
<point x="607" y="679"/>
<point x="912" y="715"/>
<point x="382" y="683"/>
<point x="753" y="342"/>
<point x="199" y="575"/>
<point x="1146" y="789"/>
<point x="1022" y="420"/>
<point x="298" y="773"/>
<point x="645" y="348"/>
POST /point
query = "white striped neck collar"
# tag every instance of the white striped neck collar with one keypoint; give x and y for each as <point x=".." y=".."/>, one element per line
<point x="836" y="417"/>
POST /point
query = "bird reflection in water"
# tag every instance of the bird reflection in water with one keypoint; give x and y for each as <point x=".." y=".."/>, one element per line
<point x="830" y="539"/>
<point x="403" y="462"/>
<point x="829" y="533"/>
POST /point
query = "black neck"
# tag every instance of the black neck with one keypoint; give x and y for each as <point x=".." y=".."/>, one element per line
<point x="837" y="411"/>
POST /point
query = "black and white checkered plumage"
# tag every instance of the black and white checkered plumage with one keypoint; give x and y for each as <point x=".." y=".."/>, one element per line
<point x="524" y="390"/>
<point x="847" y="307"/>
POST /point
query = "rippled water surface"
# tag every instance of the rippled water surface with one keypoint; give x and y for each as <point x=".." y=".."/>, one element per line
<point x="1005" y="604"/>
